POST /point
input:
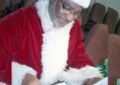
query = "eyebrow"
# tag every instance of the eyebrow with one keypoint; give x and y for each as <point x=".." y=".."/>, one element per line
<point x="71" y="7"/>
<point x="68" y="4"/>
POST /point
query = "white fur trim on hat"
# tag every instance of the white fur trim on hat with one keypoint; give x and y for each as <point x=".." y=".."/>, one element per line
<point x="83" y="3"/>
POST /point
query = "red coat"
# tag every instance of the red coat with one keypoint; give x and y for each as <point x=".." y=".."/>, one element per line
<point x="21" y="41"/>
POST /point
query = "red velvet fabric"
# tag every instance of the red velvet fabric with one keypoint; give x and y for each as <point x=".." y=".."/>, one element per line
<point x="21" y="41"/>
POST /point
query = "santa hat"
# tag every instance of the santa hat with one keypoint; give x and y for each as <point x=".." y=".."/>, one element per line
<point x="83" y="3"/>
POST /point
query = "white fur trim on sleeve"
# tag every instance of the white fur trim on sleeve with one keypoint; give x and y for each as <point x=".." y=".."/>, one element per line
<point x="19" y="71"/>
<point x="1" y="83"/>
<point x="78" y="76"/>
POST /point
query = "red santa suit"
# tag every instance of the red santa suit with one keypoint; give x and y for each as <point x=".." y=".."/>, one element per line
<point x="33" y="45"/>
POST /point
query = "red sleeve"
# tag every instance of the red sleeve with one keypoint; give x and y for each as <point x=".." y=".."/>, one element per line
<point x="9" y="38"/>
<point x="77" y="56"/>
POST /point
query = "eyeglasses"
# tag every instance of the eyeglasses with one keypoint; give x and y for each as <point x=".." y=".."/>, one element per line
<point x="69" y="11"/>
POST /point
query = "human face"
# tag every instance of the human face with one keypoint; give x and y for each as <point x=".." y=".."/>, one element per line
<point x="63" y="12"/>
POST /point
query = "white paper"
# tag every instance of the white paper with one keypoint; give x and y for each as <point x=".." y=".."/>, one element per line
<point x="61" y="83"/>
<point x="102" y="82"/>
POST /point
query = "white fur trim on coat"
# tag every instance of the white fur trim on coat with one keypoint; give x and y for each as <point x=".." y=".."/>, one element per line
<point x="54" y="54"/>
<point x="19" y="71"/>
<point x="78" y="76"/>
<point x="1" y="83"/>
<point x="54" y="47"/>
<point x="83" y="3"/>
<point x="42" y="11"/>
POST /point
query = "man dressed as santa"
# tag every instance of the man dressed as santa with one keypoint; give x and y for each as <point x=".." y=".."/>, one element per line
<point x="42" y="45"/>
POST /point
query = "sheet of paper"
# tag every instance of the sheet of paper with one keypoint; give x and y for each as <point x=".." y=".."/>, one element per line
<point x="102" y="82"/>
<point x="61" y="83"/>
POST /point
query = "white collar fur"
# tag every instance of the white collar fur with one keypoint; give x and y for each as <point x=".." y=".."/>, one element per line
<point x="42" y="10"/>
<point x="54" y="47"/>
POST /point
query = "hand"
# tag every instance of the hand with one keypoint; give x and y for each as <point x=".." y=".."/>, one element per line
<point x="92" y="81"/>
<point x="30" y="80"/>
